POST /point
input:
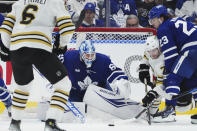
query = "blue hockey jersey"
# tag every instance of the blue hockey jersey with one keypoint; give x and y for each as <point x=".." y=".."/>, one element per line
<point x="102" y="72"/>
<point x="127" y="6"/>
<point x="1" y="19"/>
<point x="176" y="36"/>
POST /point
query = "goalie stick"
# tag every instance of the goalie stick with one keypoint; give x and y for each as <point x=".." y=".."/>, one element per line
<point x="69" y="104"/>
<point x="145" y="109"/>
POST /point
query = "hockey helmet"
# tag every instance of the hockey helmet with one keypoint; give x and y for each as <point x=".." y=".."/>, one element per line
<point x="157" y="11"/>
<point x="87" y="52"/>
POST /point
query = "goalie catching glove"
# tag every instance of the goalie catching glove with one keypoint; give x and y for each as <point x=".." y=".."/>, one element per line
<point x="144" y="74"/>
<point x="150" y="96"/>
<point x="122" y="87"/>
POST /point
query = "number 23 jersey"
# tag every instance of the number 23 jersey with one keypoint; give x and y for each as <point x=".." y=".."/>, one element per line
<point x="176" y="36"/>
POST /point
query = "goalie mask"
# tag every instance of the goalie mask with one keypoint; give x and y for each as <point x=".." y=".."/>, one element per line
<point x="152" y="48"/>
<point x="87" y="52"/>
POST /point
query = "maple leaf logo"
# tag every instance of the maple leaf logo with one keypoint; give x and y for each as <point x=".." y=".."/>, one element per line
<point x="86" y="82"/>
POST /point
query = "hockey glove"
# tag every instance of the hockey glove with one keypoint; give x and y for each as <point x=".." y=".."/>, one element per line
<point x="144" y="74"/>
<point x="59" y="51"/>
<point x="56" y="46"/>
<point x="150" y="96"/>
<point x="4" y="53"/>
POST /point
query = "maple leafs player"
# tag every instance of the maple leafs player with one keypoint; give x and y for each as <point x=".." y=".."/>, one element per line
<point x="98" y="82"/>
<point x="178" y="41"/>
<point x="26" y="35"/>
<point x="86" y="67"/>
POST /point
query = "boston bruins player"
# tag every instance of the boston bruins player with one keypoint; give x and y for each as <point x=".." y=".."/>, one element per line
<point x="154" y="59"/>
<point x="26" y="35"/>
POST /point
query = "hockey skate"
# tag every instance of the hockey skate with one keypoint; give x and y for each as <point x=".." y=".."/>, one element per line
<point x="51" y="125"/>
<point x="15" y="125"/>
<point x="166" y="115"/>
<point x="194" y="117"/>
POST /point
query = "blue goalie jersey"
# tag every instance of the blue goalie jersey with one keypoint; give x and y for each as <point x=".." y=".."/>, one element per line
<point x="176" y="37"/>
<point x="101" y="73"/>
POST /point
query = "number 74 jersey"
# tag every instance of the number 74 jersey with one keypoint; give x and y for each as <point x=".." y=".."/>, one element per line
<point x="176" y="36"/>
<point x="31" y="23"/>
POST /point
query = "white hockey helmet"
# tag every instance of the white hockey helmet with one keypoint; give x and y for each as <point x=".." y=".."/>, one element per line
<point x="151" y="43"/>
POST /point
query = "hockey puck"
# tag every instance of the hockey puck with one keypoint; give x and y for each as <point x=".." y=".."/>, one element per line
<point x="111" y="125"/>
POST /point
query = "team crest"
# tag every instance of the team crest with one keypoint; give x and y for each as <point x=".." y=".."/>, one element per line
<point x="86" y="82"/>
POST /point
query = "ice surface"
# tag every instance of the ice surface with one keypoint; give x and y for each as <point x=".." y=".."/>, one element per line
<point x="182" y="124"/>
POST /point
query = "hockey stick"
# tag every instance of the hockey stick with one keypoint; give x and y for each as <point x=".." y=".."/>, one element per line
<point x="118" y="122"/>
<point x="145" y="109"/>
<point x="75" y="111"/>
<point x="69" y="104"/>
<point x="185" y="93"/>
<point x="148" y="107"/>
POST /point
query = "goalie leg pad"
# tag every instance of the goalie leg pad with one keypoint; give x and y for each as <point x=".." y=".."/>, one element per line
<point x="110" y="102"/>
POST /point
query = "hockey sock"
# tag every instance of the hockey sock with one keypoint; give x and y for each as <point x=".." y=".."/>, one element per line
<point x="59" y="99"/>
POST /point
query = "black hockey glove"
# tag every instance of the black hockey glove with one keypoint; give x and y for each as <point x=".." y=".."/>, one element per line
<point x="4" y="53"/>
<point x="150" y="96"/>
<point x="59" y="51"/>
<point x="144" y="74"/>
<point x="56" y="49"/>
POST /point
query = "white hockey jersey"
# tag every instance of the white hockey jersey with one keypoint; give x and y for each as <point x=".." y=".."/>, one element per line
<point x="157" y="66"/>
<point x="76" y="6"/>
<point x="186" y="8"/>
<point x="31" y="23"/>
